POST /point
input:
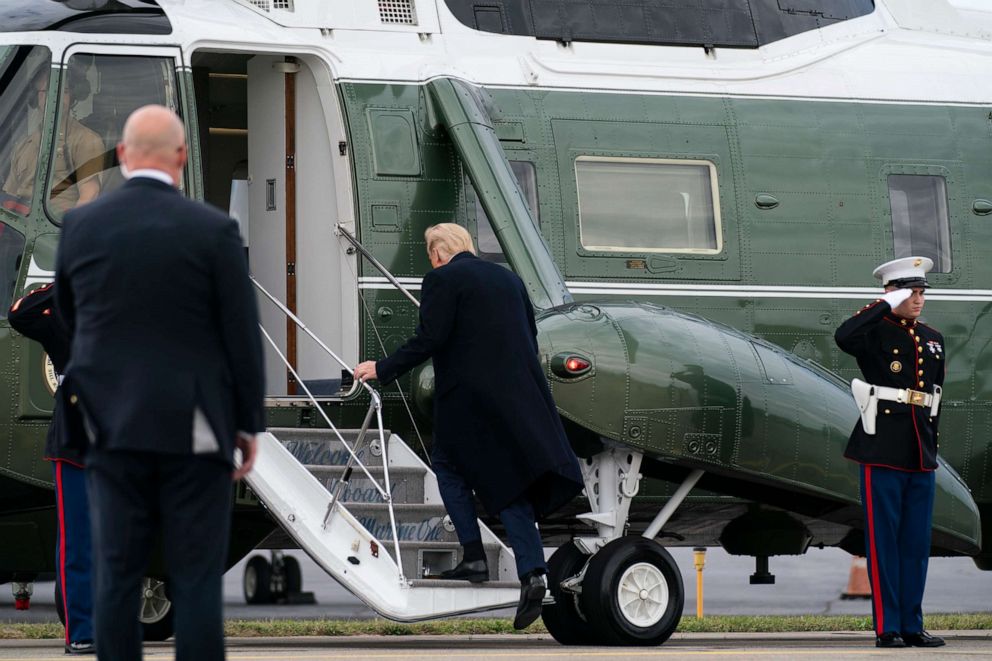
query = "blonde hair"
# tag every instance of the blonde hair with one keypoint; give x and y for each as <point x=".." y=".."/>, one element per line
<point x="448" y="239"/>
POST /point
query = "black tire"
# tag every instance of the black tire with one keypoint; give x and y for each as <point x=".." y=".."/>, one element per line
<point x="294" y="576"/>
<point x="640" y="568"/>
<point x="257" y="581"/>
<point x="564" y="621"/>
<point x="156" y="614"/>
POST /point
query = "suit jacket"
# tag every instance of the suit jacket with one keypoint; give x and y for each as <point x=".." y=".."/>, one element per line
<point x="493" y="411"/>
<point x="898" y="353"/>
<point x="154" y="290"/>
<point x="34" y="316"/>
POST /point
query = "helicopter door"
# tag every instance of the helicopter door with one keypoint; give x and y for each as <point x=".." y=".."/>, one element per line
<point x="270" y="126"/>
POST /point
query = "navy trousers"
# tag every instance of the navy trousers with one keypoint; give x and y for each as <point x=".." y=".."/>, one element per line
<point x="73" y="563"/>
<point x="517" y="518"/>
<point x="898" y="511"/>
<point x="134" y="496"/>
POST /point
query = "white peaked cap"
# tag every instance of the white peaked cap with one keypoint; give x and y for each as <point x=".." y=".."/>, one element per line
<point x="905" y="271"/>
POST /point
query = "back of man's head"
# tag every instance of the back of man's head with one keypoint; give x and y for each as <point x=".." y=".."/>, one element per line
<point x="154" y="138"/>
<point x="447" y="240"/>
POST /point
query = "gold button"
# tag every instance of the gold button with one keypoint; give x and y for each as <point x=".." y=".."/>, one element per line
<point x="917" y="340"/>
<point x="921" y="361"/>
<point x="903" y="322"/>
<point x="895" y="351"/>
<point x="921" y="384"/>
<point x="911" y="331"/>
<point x="938" y="357"/>
<point x="920" y="372"/>
<point x="887" y="411"/>
<point x="73" y="399"/>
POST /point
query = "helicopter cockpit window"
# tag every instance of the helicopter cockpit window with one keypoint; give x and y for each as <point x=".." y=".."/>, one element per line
<point x="648" y="205"/>
<point x="11" y="251"/>
<point x="97" y="94"/>
<point x="24" y="74"/>
<point x="488" y="244"/>
<point x="919" y="218"/>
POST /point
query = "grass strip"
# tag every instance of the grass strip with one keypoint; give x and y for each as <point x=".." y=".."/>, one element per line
<point x="465" y="626"/>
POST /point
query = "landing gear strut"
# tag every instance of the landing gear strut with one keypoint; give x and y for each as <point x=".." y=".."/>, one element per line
<point x="611" y="589"/>
<point x="278" y="581"/>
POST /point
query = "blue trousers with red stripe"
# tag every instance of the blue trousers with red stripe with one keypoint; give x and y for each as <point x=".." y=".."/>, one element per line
<point x="73" y="564"/>
<point x="898" y="512"/>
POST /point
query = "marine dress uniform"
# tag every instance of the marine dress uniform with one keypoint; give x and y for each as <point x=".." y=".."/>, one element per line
<point x="35" y="317"/>
<point x="895" y="441"/>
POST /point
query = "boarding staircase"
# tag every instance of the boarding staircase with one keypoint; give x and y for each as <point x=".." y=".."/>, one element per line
<point x="365" y="507"/>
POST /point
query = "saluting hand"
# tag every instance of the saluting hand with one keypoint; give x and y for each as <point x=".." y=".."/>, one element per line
<point x="249" y="448"/>
<point x="366" y="371"/>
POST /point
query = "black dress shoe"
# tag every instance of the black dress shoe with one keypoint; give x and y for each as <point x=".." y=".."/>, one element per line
<point x="474" y="571"/>
<point x="889" y="639"/>
<point x="80" y="648"/>
<point x="922" y="639"/>
<point x="532" y="591"/>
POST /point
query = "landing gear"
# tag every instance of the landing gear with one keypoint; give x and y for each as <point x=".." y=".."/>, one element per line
<point x="610" y="589"/>
<point x="279" y="581"/>
<point x="564" y="621"/>
<point x="632" y="593"/>
<point x="156" y="610"/>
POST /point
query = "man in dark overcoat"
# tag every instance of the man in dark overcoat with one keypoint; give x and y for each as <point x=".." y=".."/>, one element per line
<point x="496" y="429"/>
<point x="35" y="317"/>
<point x="895" y="441"/>
<point x="165" y="376"/>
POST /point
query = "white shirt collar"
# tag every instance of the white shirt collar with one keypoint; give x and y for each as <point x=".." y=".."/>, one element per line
<point x="151" y="174"/>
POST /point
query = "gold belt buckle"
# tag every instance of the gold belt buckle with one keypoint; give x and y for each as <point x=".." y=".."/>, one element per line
<point x="916" y="398"/>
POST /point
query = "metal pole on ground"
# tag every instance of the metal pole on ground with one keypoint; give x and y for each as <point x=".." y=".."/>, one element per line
<point x="699" y="560"/>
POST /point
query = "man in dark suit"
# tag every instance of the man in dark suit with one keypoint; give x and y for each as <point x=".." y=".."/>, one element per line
<point x="496" y="428"/>
<point x="895" y="441"/>
<point x="165" y="377"/>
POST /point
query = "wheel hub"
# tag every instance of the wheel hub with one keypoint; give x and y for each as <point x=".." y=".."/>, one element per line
<point x="642" y="594"/>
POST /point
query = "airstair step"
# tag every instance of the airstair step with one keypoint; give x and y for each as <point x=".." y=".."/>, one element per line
<point x="322" y="446"/>
<point x="414" y="522"/>
<point x="407" y="483"/>
<point x="438" y="583"/>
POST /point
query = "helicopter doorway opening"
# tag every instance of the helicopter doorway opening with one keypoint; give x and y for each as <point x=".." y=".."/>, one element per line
<point x="267" y="124"/>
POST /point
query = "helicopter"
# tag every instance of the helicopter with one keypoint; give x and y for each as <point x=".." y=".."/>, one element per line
<point x="693" y="195"/>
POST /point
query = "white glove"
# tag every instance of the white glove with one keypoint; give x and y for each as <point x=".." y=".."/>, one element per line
<point x="895" y="297"/>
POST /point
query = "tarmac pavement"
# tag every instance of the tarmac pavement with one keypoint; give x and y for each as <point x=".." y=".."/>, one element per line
<point x="962" y="645"/>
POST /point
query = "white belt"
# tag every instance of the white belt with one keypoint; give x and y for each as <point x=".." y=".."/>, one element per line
<point x="904" y="396"/>
<point x="867" y="395"/>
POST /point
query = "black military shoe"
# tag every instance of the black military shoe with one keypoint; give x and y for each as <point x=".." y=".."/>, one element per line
<point x="80" y="648"/>
<point x="532" y="591"/>
<point x="889" y="639"/>
<point x="473" y="571"/>
<point x="922" y="639"/>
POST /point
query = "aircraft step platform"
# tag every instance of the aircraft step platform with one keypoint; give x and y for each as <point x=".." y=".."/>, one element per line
<point x="296" y="475"/>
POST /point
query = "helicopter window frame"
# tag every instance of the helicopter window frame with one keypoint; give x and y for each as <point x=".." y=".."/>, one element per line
<point x="485" y="235"/>
<point x="919" y="210"/>
<point x="12" y="244"/>
<point x="172" y="92"/>
<point x="22" y="116"/>
<point x="714" y="219"/>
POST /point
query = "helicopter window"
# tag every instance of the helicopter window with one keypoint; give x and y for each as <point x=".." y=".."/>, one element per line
<point x="98" y="94"/>
<point x="648" y="205"/>
<point x="11" y="250"/>
<point x="24" y="75"/>
<point x="920" y="219"/>
<point x="488" y="244"/>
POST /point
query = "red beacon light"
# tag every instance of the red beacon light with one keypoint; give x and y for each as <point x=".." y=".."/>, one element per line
<point x="570" y="365"/>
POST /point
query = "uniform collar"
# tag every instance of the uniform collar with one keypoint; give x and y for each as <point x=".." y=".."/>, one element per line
<point x="901" y="321"/>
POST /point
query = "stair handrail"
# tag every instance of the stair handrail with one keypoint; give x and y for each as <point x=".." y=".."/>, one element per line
<point x="384" y="490"/>
<point x="376" y="263"/>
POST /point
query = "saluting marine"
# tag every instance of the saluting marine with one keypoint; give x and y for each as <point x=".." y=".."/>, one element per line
<point x="895" y="441"/>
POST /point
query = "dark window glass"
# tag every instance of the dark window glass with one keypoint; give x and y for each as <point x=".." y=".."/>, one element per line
<point x="919" y="218"/>
<point x="24" y="75"/>
<point x="11" y="251"/>
<point x="488" y="244"/>
<point x="98" y="92"/>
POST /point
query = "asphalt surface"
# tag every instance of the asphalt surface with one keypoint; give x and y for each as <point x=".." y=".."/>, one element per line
<point x="807" y="584"/>
<point x="846" y="646"/>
